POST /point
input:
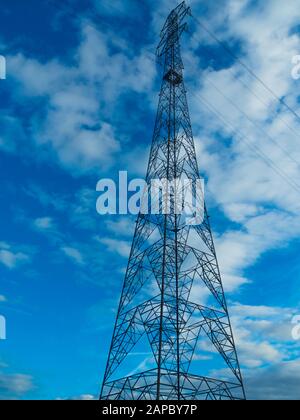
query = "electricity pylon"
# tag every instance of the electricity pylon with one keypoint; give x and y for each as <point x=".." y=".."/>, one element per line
<point x="172" y="300"/>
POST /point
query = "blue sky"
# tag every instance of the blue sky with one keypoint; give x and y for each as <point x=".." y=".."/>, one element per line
<point x="78" y="105"/>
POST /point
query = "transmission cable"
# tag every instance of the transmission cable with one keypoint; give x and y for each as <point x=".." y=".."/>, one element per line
<point x="249" y="70"/>
<point x="240" y="80"/>
<point x="248" y="142"/>
<point x="253" y="122"/>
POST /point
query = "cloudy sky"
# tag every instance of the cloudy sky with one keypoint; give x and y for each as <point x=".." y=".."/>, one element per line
<point x="78" y="105"/>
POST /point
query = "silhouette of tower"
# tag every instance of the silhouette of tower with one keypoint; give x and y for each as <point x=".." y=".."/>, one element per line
<point x="172" y="338"/>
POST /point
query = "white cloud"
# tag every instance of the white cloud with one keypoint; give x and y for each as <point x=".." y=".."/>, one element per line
<point x="113" y="245"/>
<point x="266" y="349"/>
<point x="255" y="354"/>
<point x="83" y="397"/>
<point x="43" y="223"/>
<point x="277" y="382"/>
<point x="71" y="129"/>
<point x="14" y="386"/>
<point x="80" y="100"/>
<point x="11" y="257"/>
<point x="2" y="299"/>
<point x="124" y="226"/>
<point x="11" y="260"/>
<point x="240" y="249"/>
<point x="74" y="254"/>
<point x="263" y="334"/>
<point x="263" y="206"/>
<point x="255" y="311"/>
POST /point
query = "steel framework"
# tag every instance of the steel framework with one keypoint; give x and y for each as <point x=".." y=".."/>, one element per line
<point x="172" y="264"/>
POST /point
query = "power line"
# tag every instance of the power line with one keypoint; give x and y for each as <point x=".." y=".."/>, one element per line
<point x="267" y="160"/>
<point x="250" y="71"/>
<point x="253" y="122"/>
<point x="71" y="12"/>
<point x="248" y="142"/>
<point x="240" y="80"/>
<point x="258" y="151"/>
<point x="263" y="103"/>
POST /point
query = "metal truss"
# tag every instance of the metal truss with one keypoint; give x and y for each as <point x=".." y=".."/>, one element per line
<point x="170" y="259"/>
<point x="144" y="386"/>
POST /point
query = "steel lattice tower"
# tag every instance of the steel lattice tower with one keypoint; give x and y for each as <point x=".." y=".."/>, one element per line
<point x="172" y="266"/>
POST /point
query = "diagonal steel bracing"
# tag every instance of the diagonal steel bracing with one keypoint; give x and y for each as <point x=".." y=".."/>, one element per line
<point x="173" y="299"/>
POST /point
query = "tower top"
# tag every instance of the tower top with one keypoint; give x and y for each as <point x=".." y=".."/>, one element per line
<point x="173" y="28"/>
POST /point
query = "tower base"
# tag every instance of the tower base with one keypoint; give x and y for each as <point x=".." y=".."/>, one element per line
<point x="143" y="386"/>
